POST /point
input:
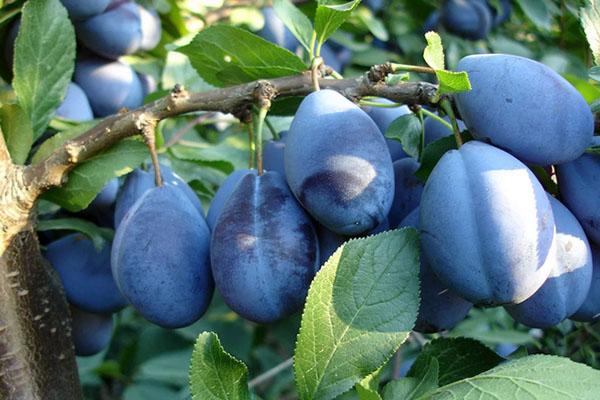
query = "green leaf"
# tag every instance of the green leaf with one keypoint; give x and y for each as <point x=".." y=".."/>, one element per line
<point x="458" y="359"/>
<point x="17" y="131"/>
<point x="400" y="389"/>
<point x="149" y="391"/>
<point x="589" y="91"/>
<point x="534" y="377"/>
<point x="295" y="21"/>
<point x="360" y="308"/>
<point x="593" y="150"/>
<point x="432" y="154"/>
<point x="225" y="55"/>
<point x="208" y="156"/>
<point x="96" y="234"/>
<point x="58" y="139"/>
<point x="434" y="52"/>
<point x="89" y="177"/>
<point x="540" y="12"/>
<point x="367" y="389"/>
<point x="169" y="368"/>
<point x="44" y="59"/>
<point x="373" y="24"/>
<point x="396" y="79"/>
<point x="330" y="16"/>
<point x="413" y="388"/>
<point x="407" y="130"/>
<point x="215" y="374"/>
<point x="452" y="82"/>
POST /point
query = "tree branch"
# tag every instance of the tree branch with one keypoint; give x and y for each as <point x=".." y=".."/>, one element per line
<point x="236" y="100"/>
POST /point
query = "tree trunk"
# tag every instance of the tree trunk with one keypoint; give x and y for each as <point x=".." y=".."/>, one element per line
<point x="37" y="359"/>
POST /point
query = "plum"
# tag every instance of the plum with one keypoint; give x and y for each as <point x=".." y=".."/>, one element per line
<point x="408" y="189"/>
<point x="149" y="84"/>
<point x="84" y="9"/>
<point x="440" y="309"/>
<point x="338" y="165"/>
<point x="487" y="226"/>
<point x="566" y="288"/>
<point x="85" y="273"/>
<point x="109" y="85"/>
<point x="223" y="194"/>
<point x="114" y="33"/>
<point x="264" y="250"/>
<point x="470" y="19"/>
<point x="76" y="105"/>
<point x="384" y="117"/>
<point x="151" y="29"/>
<point x="273" y="156"/>
<point x="525" y="108"/>
<point x="139" y="181"/>
<point x="275" y="31"/>
<point x="91" y="332"/>
<point x="590" y="309"/>
<point x="102" y="209"/>
<point x="579" y="183"/>
<point x="160" y="258"/>
<point x="432" y="22"/>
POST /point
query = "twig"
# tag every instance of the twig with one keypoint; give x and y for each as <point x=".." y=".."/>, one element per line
<point x="236" y="100"/>
<point x="271" y="373"/>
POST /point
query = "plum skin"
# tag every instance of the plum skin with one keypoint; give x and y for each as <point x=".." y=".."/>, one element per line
<point x="91" y="332"/>
<point x="160" y="258"/>
<point x="408" y="190"/>
<point x="469" y="226"/>
<point x="525" y="108"/>
<point x="264" y="250"/>
<point x="440" y="309"/>
<point x="579" y="183"/>
<point x="85" y="273"/>
<point x="223" y="194"/>
<point x="566" y="288"/>
<point x="337" y="164"/>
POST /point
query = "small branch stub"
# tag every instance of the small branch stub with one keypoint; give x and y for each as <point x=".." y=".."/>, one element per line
<point x="148" y="129"/>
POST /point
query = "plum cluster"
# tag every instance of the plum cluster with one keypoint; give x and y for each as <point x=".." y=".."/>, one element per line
<point x="469" y="19"/>
<point x="106" y="30"/>
<point x="490" y="233"/>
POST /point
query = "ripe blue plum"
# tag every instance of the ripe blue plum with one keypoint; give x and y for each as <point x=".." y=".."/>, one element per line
<point x="223" y="194"/>
<point x="84" y="9"/>
<point x="273" y="156"/>
<point x="91" y="332"/>
<point x="487" y="226"/>
<point x="264" y="249"/>
<point x="135" y="185"/>
<point x="566" y="288"/>
<point x="579" y="183"/>
<point x="102" y="209"/>
<point x="114" y="33"/>
<point x="139" y="181"/>
<point x="149" y="84"/>
<point x="432" y="22"/>
<point x="109" y="85"/>
<point x="470" y="19"/>
<point x="549" y="123"/>
<point x="590" y="309"/>
<point x="331" y="58"/>
<point x="338" y="165"/>
<point x="384" y="117"/>
<point x="76" y="105"/>
<point x="408" y="189"/>
<point x="151" y="28"/>
<point x="275" y="31"/>
<point x="440" y="309"/>
<point x="85" y="274"/>
<point x="328" y="243"/>
<point x="160" y="258"/>
<point x="502" y="14"/>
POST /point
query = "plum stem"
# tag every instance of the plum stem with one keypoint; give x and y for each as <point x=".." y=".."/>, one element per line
<point x="313" y="43"/>
<point x="251" y="145"/>
<point x="262" y="113"/>
<point x="447" y="107"/>
<point x="148" y="133"/>
<point x="315" y="74"/>
<point x="412" y="68"/>
<point x="271" y="373"/>
<point x="439" y="119"/>
<point x="422" y="139"/>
